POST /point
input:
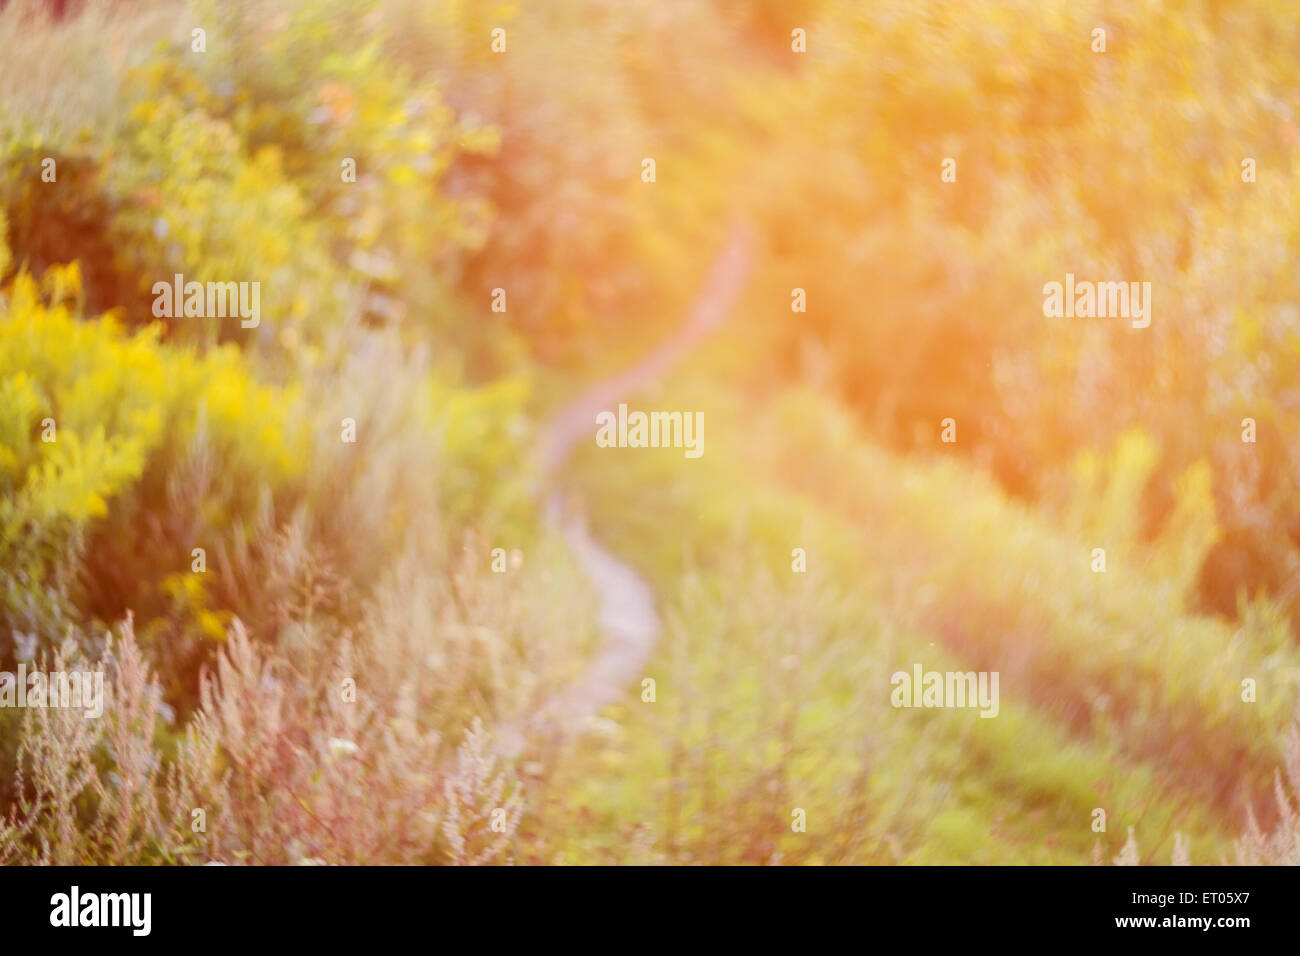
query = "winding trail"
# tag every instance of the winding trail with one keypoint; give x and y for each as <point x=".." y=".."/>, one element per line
<point x="628" y="621"/>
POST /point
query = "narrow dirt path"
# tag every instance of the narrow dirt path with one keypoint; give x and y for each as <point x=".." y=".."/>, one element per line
<point x="628" y="621"/>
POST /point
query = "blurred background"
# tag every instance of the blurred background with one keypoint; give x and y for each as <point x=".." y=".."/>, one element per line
<point x="383" y="168"/>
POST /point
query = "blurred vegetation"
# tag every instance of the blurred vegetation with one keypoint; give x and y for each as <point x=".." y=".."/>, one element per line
<point x="478" y="171"/>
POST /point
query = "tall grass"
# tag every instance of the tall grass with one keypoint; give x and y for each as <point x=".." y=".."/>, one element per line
<point x="60" y="77"/>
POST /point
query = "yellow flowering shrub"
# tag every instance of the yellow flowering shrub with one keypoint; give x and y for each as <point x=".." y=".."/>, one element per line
<point x="202" y="207"/>
<point x="94" y="421"/>
<point x="342" y="148"/>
